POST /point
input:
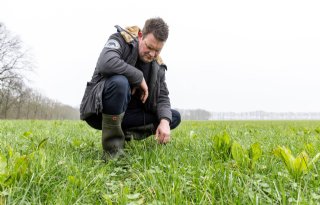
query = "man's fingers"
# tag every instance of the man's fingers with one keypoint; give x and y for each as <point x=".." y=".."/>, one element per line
<point x="166" y="139"/>
<point x="133" y="91"/>
<point x="144" y="97"/>
<point x="144" y="89"/>
<point x="162" y="139"/>
<point x="157" y="135"/>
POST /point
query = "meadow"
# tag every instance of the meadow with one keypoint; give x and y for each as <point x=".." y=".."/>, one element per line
<point x="59" y="162"/>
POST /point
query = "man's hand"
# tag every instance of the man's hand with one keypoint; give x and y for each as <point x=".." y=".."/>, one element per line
<point x="163" y="132"/>
<point x="144" y="91"/>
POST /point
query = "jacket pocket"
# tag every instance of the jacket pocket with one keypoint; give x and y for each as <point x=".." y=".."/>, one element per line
<point x="87" y="105"/>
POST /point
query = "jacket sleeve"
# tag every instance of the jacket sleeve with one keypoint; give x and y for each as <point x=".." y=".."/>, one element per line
<point x="163" y="101"/>
<point x="111" y="61"/>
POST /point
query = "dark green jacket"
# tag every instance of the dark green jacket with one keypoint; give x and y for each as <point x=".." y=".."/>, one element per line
<point x="120" y="60"/>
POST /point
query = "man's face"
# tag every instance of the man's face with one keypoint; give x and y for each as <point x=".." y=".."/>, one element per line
<point x="149" y="47"/>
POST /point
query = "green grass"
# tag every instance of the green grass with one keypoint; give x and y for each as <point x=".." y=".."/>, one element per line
<point x="58" y="162"/>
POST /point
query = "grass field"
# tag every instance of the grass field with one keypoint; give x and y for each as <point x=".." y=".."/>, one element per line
<point x="58" y="162"/>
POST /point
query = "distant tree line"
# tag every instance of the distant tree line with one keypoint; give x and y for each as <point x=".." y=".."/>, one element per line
<point x="21" y="102"/>
<point x="17" y="100"/>
<point x="194" y="114"/>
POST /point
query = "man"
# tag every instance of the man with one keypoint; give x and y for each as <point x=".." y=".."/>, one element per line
<point x="127" y="96"/>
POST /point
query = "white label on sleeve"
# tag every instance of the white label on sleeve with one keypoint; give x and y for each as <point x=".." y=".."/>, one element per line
<point x="111" y="43"/>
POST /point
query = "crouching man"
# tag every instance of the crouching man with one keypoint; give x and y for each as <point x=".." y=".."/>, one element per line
<point x="127" y="97"/>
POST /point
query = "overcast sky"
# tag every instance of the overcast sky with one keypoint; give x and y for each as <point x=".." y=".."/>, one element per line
<point x="221" y="55"/>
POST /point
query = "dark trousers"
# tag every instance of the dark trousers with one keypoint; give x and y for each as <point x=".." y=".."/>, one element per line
<point x="115" y="99"/>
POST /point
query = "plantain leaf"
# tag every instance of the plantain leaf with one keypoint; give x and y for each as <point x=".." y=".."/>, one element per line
<point x="255" y="152"/>
<point x="222" y="141"/>
<point x="296" y="166"/>
<point x="286" y="156"/>
<point x="300" y="164"/>
<point x="226" y="139"/>
<point x="239" y="154"/>
<point x="27" y="135"/>
<point x="21" y="165"/>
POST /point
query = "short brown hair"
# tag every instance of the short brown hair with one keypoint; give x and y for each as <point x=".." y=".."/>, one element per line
<point x="157" y="27"/>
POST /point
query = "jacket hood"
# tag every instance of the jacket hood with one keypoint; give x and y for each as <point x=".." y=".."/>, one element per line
<point x="130" y="33"/>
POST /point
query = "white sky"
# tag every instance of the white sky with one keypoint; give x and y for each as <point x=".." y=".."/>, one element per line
<point x="221" y="55"/>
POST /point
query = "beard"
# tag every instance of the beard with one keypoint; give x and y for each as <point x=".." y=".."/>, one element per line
<point x="146" y="58"/>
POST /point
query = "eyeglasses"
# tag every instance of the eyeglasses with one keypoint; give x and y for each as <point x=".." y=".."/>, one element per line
<point x="157" y="51"/>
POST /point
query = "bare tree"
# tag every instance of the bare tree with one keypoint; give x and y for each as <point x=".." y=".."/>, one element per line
<point x="9" y="95"/>
<point x="13" y="56"/>
<point x="16" y="99"/>
<point x="14" y="62"/>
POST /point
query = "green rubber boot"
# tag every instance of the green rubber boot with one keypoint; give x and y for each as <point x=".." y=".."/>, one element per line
<point x="140" y="132"/>
<point x="112" y="135"/>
